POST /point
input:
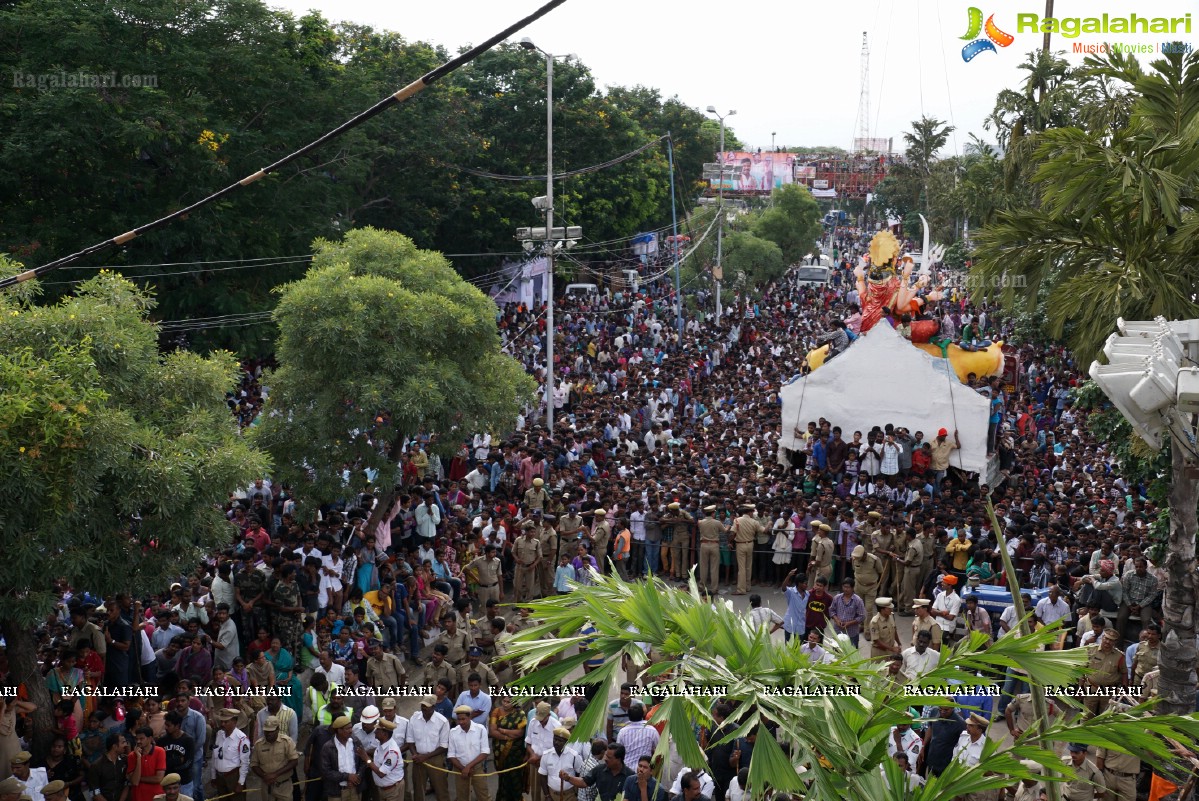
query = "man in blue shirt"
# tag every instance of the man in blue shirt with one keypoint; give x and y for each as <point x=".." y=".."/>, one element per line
<point x="642" y="786"/>
<point x="795" y="589"/>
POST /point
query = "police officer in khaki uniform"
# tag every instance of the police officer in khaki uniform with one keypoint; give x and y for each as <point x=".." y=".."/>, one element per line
<point x="526" y="551"/>
<point x="1105" y="668"/>
<point x="1120" y="771"/>
<point x="680" y="545"/>
<point x="1088" y="784"/>
<point x="438" y="667"/>
<point x="882" y="545"/>
<point x="867" y="573"/>
<point x="1028" y="789"/>
<point x="745" y="529"/>
<point x="601" y="535"/>
<point x="550" y="553"/>
<point x="884" y="639"/>
<point x="1019" y="715"/>
<point x="926" y="622"/>
<point x="821" y="565"/>
<point x="570" y="523"/>
<point x="488" y="571"/>
<point x="536" y="497"/>
<point x="273" y="760"/>
<point x="912" y="563"/>
<point x="171" y="785"/>
<point x="474" y="664"/>
<point x="710" y="530"/>
<point x="456" y="641"/>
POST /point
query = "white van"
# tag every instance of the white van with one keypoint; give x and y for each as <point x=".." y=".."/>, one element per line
<point x="812" y="276"/>
<point x="580" y="290"/>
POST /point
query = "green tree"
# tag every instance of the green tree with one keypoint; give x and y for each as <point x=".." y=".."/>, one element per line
<point x="792" y="222"/>
<point x="115" y="459"/>
<point x="380" y="342"/>
<point x="750" y="261"/>
<point x="1116" y="234"/>
<point x="840" y="742"/>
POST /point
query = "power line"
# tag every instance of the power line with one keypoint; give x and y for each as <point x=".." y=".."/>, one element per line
<point x="409" y="91"/>
<point x="562" y="175"/>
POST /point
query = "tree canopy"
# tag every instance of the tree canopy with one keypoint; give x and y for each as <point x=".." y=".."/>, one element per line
<point x="381" y="341"/>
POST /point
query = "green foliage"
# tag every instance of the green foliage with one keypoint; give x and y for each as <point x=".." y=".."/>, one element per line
<point x="215" y="115"/>
<point x="381" y="340"/>
<point x="792" y="222"/>
<point x="1116" y="233"/>
<point x="840" y="741"/>
<point x="750" y="261"/>
<point x="114" y="459"/>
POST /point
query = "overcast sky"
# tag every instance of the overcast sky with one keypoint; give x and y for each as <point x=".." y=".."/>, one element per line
<point x="785" y="66"/>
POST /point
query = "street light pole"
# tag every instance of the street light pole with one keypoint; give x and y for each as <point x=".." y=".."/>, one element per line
<point x="549" y="227"/>
<point x="527" y="44"/>
<point x="718" y="272"/>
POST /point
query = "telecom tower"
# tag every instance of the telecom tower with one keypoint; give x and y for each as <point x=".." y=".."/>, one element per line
<point x="864" y="98"/>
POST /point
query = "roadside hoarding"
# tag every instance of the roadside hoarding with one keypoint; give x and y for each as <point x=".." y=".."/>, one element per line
<point x="756" y="172"/>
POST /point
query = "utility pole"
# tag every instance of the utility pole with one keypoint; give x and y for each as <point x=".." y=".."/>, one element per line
<point x="548" y="206"/>
<point x="718" y="270"/>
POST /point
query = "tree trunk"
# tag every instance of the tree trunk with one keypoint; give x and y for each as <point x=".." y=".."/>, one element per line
<point x="23" y="667"/>
<point x="1177" y="661"/>
<point x="386" y="495"/>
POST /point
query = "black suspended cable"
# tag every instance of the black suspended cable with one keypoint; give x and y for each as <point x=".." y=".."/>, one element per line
<point x="409" y="91"/>
<point x="558" y="176"/>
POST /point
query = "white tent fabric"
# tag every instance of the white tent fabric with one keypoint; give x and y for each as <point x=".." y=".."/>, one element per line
<point x="882" y="378"/>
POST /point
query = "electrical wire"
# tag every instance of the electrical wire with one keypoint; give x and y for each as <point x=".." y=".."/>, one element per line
<point x="411" y="90"/>
<point x="957" y="148"/>
<point x="562" y="175"/>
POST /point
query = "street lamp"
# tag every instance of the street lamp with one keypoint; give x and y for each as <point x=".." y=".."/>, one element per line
<point x="718" y="271"/>
<point x="527" y="44"/>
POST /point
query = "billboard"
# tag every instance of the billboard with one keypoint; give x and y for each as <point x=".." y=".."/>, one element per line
<point x="756" y="172"/>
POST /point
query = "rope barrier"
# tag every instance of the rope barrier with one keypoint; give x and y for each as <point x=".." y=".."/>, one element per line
<point x="249" y="790"/>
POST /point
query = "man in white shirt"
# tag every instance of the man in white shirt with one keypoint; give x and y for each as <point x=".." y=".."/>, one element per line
<point x="539" y="738"/>
<point x="904" y="740"/>
<point x="467" y="751"/>
<point x="554" y="762"/>
<point x="969" y="749"/>
<point x="230" y="756"/>
<point x="333" y="671"/>
<point x="946" y="608"/>
<point x="225" y="647"/>
<point x="429" y="738"/>
<point x="387" y="763"/>
<point x="919" y="658"/>
<point x="1052" y="608"/>
<point x="482" y="446"/>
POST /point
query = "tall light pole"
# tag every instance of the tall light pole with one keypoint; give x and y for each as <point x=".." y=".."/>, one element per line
<point x="527" y="44"/>
<point x="718" y="272"/>
<point x="772" y="135"/>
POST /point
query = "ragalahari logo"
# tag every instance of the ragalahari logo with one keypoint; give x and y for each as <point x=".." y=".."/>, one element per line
<point x="981" y="45"/>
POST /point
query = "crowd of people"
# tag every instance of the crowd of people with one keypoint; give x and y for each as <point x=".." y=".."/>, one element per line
<point x="664" y="458"/>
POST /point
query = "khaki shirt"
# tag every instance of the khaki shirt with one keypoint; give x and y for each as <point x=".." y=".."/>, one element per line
<point x="271" y="757"/>
<point x="386" y="671"/>
<point x="488" y="570"/>
<point x="940" y="453"/>
<point x="882" y="630"/>
<point x="536" y="498"/>
<point x="1118" y="762"/>
<point x="526" y="551"/>
<point x="1103" y="668"/>
<point x="930" y="625"/>
<point x="1089" y="782"/>
<point x="867" y="573"/>
<point x="913" y="555"/>
<point x="486" y="674"/>
<point x="434" y="673"/>
<point x="1022" y="711"/>
<point x="1146" y="660"/>
<point x="745" y="529"/>
<point x="882" y="540"/>
<point x="822" y="552"/>
<point x="549" y="545"/>
<point x="568" y="525"/>
<point x="458" y="645"/>
<point x="709" y="530"/>
<point x="600" y="538"/>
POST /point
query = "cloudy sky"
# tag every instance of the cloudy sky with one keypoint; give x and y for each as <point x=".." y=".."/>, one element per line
<point x="788" y="67"/>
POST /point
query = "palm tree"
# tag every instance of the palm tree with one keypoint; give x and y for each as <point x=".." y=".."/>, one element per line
<point x="925" y="140"/>
<point x="810" y="740"/>
<point x="1117" y="235"/>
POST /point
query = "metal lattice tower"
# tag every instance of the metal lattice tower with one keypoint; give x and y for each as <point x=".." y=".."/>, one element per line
<point x="864" y="97"/>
